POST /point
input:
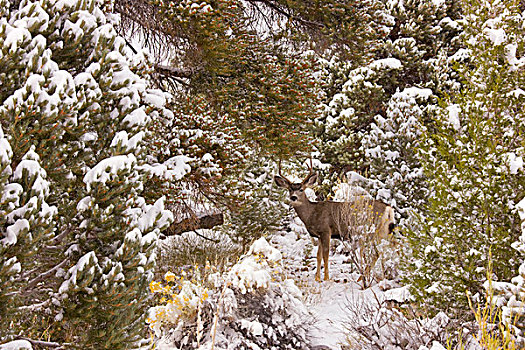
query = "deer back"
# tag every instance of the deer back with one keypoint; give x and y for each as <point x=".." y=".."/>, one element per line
<point x="350" y="217"/>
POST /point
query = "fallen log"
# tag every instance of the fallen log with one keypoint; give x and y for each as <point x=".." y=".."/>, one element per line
<point x="193" y="223"/>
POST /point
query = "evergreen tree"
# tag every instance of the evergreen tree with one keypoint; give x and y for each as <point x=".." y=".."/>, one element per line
<point x="83" y="201"/>
<point x="221" y="68"/>
<point x="420" y="33"/>
<point x="509" y="295"/>
<point x="392" y="146"/>
<point x="242" y="98"/>
<point x="472" y="155"/>
<point x="27" y="225"/>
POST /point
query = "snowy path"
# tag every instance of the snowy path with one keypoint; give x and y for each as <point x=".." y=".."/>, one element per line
<point x="329" y="311"/>
<point x="328" y="301"/>
<point x="341" y="306"/>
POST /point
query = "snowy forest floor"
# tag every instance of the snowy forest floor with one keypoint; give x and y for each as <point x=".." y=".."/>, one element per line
<point x="335" y="304"/>
<point x="338" y="314"/>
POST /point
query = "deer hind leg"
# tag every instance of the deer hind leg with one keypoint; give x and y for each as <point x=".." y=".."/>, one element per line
<point x="319" y="258"/>
<point x="326" y="252"/>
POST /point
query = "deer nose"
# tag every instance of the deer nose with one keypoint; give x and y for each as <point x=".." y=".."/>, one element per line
<point x="293" y="198"/>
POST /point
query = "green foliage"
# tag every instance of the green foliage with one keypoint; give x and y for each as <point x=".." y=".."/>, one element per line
<point x="471" y="157"/>
<point x="408" y="56"/>
<point x="259" y="211"/>
<point x="27" y="225"/>
<point x="79" y="229"/>
<point x="244" y="99"/>
<point x="263" y="94"/>
<point x="352" y="30"/>
<point x="392" y="148"/>
<point x="509" y="295"/>
<point x="212" y="309"/>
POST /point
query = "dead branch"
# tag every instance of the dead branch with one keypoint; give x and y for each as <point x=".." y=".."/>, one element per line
<point x="194" y="223"/>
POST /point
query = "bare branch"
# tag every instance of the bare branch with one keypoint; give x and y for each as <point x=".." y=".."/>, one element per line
<point x="174" y="72"/>
<point x="60" y="237"/>
<point x="46" y="344"/>
<point x="45" y="275"/>
<point x="288" y="14"/>
<point x="35" y="307"/>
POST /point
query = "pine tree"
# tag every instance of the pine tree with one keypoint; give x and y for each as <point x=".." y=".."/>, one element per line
<point x="509" y="295"/>
<point x="75" y="103"/>
<point x="27" y="225"/>
<point x="409" y="56"/>
<point x="391" y="148"/>
<point x="472" y="155"/>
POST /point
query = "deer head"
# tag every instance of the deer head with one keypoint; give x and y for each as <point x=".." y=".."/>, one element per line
<point x="296" y="190"/>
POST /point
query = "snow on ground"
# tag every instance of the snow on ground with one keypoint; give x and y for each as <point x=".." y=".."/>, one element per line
<point x="342" y="304"/>
<point x="329" y="309"/>
<point x="327" y="300"/>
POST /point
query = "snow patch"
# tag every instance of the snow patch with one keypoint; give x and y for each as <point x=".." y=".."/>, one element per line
<point x="5" y="149"/>
<point x="13" y="231"/>
<point x="136" y="118"/>
<point x="400" y="295"/>
<point x="514" y="162"/>
<point x="516" y="93"/>
<point x="108" y="169"/>
<point x="414" y="92"/>
<point x="128" y="144"/>
<point x="435" y="346"/>
<point x="17" y="345"/>
<point x="386" y="63"/>
<point x="155" y="216"/>
<point x="261" y="246"/>
<point x="14" y="37"/>
<point x="86" y="260"/>
<point x="460" y="55"/>
<point x="453" y="116"/>
<point x="249" y="274"/>
<point x="496" y="36"/>
<point x="253" y="327"/>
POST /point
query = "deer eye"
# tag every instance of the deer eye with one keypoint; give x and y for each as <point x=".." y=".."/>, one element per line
<point x="301" y="190"/>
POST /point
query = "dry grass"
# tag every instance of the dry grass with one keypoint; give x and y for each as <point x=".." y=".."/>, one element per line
<point x="364" y="247"/>
<point x="189" y="250"/>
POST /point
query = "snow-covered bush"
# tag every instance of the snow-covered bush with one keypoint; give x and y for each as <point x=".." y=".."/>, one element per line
<point x="418" y="32"/>
<point x="258" y="211"/>
<point x="510" y="296"/>
<point x="192" y="249"/>
<point x="27" y="224"/>
<point x="374" y="258"/>
<point x="81" y="180"/>
<point x="473" y="154"/>
<point x="248" y="307"/>
<point x="378" y="322"/>
<point x="391" y="148"/>
<point x="17" y="345"/>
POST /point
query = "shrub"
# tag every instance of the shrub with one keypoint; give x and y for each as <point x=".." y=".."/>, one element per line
<point x="250" y="305"/>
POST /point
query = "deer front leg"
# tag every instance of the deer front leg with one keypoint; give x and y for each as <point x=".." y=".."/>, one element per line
<point x="326" y="251"/>
<point x="319" y="258"/>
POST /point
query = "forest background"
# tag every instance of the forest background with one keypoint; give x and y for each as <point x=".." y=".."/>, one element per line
<point x="121" y="119"/>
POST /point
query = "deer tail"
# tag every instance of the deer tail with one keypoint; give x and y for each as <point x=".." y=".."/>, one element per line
<point x="390" y="219"/>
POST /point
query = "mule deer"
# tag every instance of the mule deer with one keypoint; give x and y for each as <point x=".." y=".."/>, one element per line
<point x="325" y="220"/>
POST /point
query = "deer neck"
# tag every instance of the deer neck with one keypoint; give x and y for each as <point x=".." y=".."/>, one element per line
<point x="304" y="210"/>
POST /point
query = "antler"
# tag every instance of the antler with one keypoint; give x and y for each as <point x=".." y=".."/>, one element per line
<point x="281" y="180"/>
<point x="280" y="171"/>
<point x="311" y="166"/>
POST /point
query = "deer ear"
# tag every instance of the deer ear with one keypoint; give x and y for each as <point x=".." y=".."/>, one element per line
<point x="281" y="182"/>
<point x="310" y="180"/>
